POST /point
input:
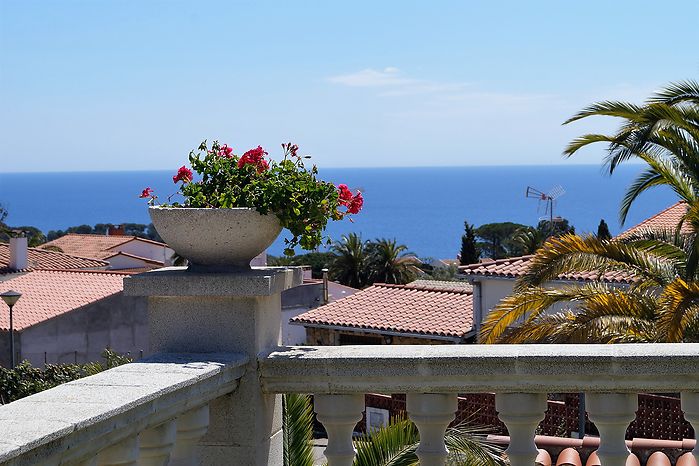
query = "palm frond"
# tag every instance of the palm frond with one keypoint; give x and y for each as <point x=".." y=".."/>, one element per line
<point x="679" y="306"/>
<point x="297" y="426"/>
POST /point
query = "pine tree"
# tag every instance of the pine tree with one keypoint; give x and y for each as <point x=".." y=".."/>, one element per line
<point x="603" y="231"/>
<point x="470" y="253"/>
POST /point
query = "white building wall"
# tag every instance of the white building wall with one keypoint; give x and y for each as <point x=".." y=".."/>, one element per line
<point x="147" y="250"/>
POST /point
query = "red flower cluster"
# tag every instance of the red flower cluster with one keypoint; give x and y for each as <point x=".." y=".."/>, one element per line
<point x="184" y="174"/>
<point x="254" y="157"/>
<point x="148" y="192"/>
<point x="225" y="151"/>
<point x="353" y="202"/>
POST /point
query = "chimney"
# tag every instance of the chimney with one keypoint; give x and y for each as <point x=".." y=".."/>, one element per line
<point x="115" y="230"/>
<point x="18" y="253"/>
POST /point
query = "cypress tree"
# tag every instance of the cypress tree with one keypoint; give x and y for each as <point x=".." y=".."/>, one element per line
<point x="469" y="251"/>
<point x="603" y="231"/>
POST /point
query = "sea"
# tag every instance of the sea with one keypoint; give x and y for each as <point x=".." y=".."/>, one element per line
<point x="423" y="208"/>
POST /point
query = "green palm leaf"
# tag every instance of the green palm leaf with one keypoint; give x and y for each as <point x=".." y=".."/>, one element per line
<point x="297" y="426"/>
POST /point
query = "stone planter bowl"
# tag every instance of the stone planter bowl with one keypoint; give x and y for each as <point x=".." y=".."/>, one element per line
<point x="215" y="240"/>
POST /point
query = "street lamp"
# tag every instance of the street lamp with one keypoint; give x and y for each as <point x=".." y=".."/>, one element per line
<point x="11" y="297"/>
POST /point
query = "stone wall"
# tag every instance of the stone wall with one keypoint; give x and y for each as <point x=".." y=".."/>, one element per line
<point x="118" y="322"/>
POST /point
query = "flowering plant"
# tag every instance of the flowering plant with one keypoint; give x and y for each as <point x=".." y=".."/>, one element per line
<point x="287" y="189"/>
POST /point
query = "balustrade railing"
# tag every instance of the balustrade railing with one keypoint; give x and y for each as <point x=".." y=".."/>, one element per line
<point x="521" y="376"/>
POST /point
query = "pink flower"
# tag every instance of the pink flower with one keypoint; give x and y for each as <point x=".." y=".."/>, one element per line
<point x="184" y="174"/>
<point x="355" y="205"/>
<point x="148" y="192"/>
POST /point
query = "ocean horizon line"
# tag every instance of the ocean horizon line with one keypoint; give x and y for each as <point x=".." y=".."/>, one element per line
<point x="409" y="167"/>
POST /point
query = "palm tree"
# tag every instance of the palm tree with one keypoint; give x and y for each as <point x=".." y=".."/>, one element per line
<point x="350" y="264"/>
<point x="663" y="133"/>
<point x="297" y="430"/>
<point x="660" y="305"/>
<point x="390" y="262"/>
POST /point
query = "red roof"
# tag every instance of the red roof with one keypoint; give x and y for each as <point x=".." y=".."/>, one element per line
<point x="407" y="309"/>
<point x="665" y="220"/>
<point x="50" y="293"/>
<point x="98" y="246"/>
<point x="46" y="259"/>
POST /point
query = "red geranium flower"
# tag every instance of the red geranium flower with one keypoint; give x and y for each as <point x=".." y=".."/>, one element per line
<point x="148" y="192"/>
<point x="225" y="151"/>
<point x="345" y="194"/>
<point x="184" y="174"/>
<point x="355" y="205"/>
<point x="254" y="157"/>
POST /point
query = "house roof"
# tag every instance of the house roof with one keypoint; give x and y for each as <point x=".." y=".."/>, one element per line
<point x="50" y="293"/>
<point x="411" y="309"/>
<point x="442" y="285"/>
<point x="39" y="259"/>
<point x="514" y="267"/>
<point x="97" y="246"/>
<point x="665" y="220"/>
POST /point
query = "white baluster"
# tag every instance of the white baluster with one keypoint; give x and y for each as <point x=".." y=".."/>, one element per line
<point x="431" y="413"/>
<point x="521" y="413"/>
<point x="690" y="406"/>
<point x="156" y="444"/>
<point x="191" y="427"/>
<point x="339" y="414"/>
<point x="612" y="413"/>
<point x="124" y="453"/>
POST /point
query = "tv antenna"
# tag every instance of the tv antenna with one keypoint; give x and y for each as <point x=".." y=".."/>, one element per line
<point x="548" y="199"/>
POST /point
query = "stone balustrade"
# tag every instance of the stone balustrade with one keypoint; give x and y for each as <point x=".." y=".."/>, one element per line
<point x="222" y="406"/>
<point x="520" y="375"/>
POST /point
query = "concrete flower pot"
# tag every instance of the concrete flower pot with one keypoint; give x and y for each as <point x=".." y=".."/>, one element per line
<point x="216" y="240"/>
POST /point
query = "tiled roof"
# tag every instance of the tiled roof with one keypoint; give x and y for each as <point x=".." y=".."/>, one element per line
<point x="47" y="294"/>
<point x="45" y="259"/>
<point x="441" y="285"/>
<point x="514" y="267"/>
<point x="96" y="246"/>
<point x="665" y="220"/>
<point x="398" y="308"/>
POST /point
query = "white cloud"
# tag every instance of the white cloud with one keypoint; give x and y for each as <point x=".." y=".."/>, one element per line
<point x="369" y="77"/>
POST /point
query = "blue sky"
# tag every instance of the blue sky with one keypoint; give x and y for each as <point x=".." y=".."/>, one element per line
<point x="134" y="85"/>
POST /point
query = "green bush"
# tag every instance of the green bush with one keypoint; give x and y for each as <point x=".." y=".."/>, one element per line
<point x="25" y="379"/>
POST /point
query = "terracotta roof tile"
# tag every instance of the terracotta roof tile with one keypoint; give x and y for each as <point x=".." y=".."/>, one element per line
<point x="441" y="285"/>
<point x="47" y="294"/>
<point x="96" y="246"/>
<point x="514" y="267"/>
<point x="39" y="259"/>
<point x="399" y="308"/>
<point x="665" y="220"/>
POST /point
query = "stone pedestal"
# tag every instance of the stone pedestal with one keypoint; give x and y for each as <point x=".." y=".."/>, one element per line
<point x="224" y="312"/>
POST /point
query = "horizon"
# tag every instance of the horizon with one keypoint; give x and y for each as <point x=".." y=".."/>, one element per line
<point x="105" y="86"/>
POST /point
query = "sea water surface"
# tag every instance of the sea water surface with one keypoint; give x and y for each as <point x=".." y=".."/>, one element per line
<point x="423" y="208"/>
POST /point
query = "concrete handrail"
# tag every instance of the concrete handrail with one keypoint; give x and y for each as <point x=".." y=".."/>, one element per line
<point x="76" y="420"/>
<point x="631" y="368"/>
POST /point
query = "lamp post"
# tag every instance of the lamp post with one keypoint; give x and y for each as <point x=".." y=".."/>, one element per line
<point x="11" y="297"/>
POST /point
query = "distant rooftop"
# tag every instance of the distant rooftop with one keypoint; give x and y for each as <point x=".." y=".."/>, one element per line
<point x="41" y="259"/>
<point x="97" y="246"/>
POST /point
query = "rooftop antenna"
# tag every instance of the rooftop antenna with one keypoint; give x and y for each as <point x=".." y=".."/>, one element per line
<point x="548" y="200"/>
